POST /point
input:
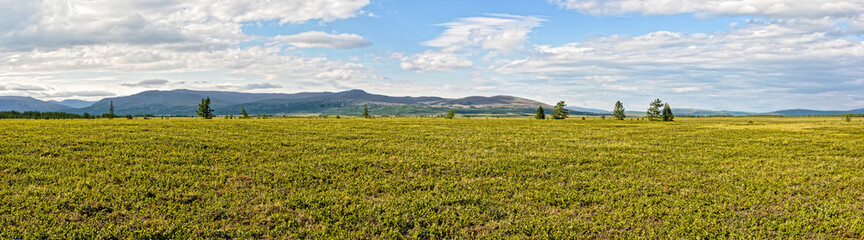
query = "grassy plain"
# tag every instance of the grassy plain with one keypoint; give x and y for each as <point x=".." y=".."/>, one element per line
<point x="432" y="178"/>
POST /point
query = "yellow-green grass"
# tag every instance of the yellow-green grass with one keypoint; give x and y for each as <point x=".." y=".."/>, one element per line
<point x="432" y="178"/>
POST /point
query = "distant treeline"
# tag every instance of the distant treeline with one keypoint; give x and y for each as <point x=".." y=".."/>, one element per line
<point x="63" y="115"/>
<point x="40" y="115"/>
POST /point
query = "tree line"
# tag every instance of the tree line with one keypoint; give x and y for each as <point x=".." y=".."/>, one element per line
<point x="657" y="111"/>
<point x="654" y="112"/>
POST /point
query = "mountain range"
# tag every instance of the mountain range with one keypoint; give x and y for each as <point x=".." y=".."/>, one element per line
<point x="185" y="102"/>
<point x="74" y="103"/>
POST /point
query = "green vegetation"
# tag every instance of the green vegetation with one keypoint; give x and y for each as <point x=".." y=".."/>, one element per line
<point x="110" y="114"/>
<point x="450" y="114"/>
<point x="541" y="114"/>
<point x="243" y="114"/>
<point x="653" y="113"/>
<point x="667" y="113"/>
<point x="366" y="111"/>
<point x="204" y="109"/>
<point x="847" y="117"/>
<point x="40" y="115"/>
<point x="559" y="112"/>
<point x="709" y="178"/>
<point x="618" y="112"/>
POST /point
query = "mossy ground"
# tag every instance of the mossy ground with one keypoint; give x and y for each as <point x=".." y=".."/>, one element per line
<point x="432" y="178"/>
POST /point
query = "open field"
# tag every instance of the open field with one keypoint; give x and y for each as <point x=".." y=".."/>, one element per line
<point x="432" y="178"/>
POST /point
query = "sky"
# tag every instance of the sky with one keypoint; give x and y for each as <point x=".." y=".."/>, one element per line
<point x="744" y="55"/>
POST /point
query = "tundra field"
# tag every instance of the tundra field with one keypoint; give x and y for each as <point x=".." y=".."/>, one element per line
<point x="392" y="178"/>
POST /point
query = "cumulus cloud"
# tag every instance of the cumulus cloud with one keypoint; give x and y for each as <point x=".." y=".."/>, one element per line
<point x="183" y="24"/>
<point x="266" y="62"/>
<point x="767" y="63"/>
<point x="435" y="61"/>
<point x="764" y="8"/>
<point x="147" y="83"/>
<point x="102" y="41"/>
<point x="315" y="39"/>
<point x="495" y="31"/>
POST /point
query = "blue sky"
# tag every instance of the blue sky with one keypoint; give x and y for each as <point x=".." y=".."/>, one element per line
<point x="749" y="55"/>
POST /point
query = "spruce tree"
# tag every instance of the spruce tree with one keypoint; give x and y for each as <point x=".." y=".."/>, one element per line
<point x="111" y="110"/>
<point x="618" y="112"/>
<point x="204" y="109"/>
<point x="667" y="113"/>
<point x="540" y="113"/>
<point x="653" y="112"/>
<point x="243" y="113"/>
<point x="366" y="111"/>
<point x="559" y="112"/>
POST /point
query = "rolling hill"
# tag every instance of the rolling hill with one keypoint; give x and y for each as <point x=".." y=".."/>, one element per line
<point x="808" y="112"/>
<point x="22" y="104"/>
<point x="184" y="102"/>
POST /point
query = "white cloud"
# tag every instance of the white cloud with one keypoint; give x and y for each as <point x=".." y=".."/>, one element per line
<point x="764" y="8"/>
<point x="147" y="83"/>
<point x="101" y="42"/>
<point x="686" y="89"/>
<point x="183" y="24"/>
<point x="761" y="65"/>
<point x="19" y="87"/>
<point x="253" y="63"/>
<point x="315" y="39"/>
<point x="67" y="94"/>
<point x="250" y="86"/>
<point x="435" y="61"/>
<point x="497" y="31"/>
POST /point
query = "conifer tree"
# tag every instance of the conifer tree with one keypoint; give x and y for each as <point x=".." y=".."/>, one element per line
<point x="559" y="112"/>
<point x="540" y="113"/>
<point x="366" y="111"/>
<point x="667" y="113"/>
<point x="204" y="109"/>
<point x="243" y="113"/>
<point x="618" y="112"/>
<point x="111" y="110"/>
<point x="653" y="112"/>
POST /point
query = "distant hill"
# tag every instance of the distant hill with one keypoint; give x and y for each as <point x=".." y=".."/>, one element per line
<point x="185" y="102"/>
<point x="807" y="112"/>
<point x="21" y="104"/>
<point x="74" y="103"/>
<point x="704" y="112"/>
<point x="590" y="110"/>
<point x="176" y="102"/>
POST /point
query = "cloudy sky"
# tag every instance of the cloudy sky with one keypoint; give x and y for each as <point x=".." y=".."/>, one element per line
<point x="749" y="55"/>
